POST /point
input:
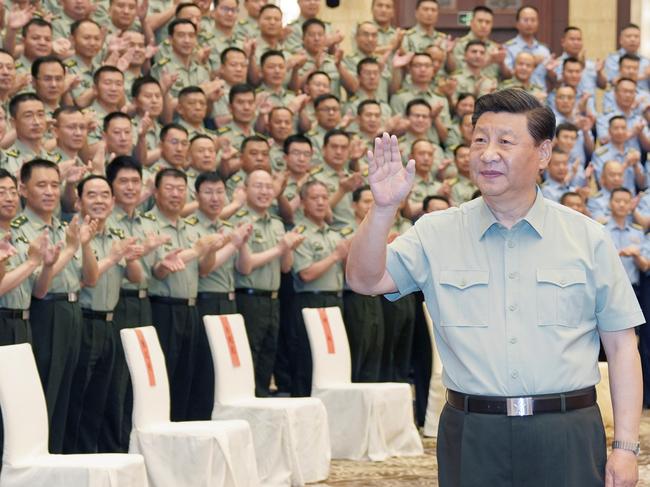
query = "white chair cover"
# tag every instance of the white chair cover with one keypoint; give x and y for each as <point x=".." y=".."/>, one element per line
<point x="367" y="420"/>
<point x="26" y="461"/>
<point x="291" y="435"/>
<point x="437" y="391"/>
<point x="194" y="453"/>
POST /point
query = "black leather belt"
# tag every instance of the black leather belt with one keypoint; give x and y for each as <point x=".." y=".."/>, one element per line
<point x="133" y="293"/>
<point x="16" y="314"/>
<point x="97" y="315"/>
<point x="69" y="297"/>
<point x="257" y="292"/>
<point x="522" y="406"/>
<point x="221" y="296"/>
<point x="338" y="294"/>
<point x="167" y="300"/>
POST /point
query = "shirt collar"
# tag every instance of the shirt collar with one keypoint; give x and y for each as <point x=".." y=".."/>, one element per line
<point x="40" y="224"/>
<point x="160" y="216"/>
<point x="535" y="216"/>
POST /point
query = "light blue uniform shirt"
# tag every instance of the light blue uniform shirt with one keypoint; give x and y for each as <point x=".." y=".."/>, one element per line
<point x="516" y="312"/>
<point x="608" y="153"/>
<point x="516" y="45"/>
<point x="553" y="190"/>
<point x="602" y="126"/>
<point x="611" y="64"/>
<point x="630" y="234"/>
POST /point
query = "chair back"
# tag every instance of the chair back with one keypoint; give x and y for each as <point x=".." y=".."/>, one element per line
<point x="24" y="413"/>
<point x="146" y="363"/>
<point x="330" y="351"/>
<point x="231" y="355"/>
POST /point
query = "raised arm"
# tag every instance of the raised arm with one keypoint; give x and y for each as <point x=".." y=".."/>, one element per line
<point x="390" y="182"/>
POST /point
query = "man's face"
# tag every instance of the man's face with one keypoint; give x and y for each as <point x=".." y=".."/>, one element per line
<point x="127" y="187"/>
<point x="7" y="72"/>
<point x="193" y="107"/>
<point x="150" y="99"/>
<point x="259" y="190"/>
<point x="462" y="160"/>
<point x="612" y="176"/>
<point x="566" y="139"/>
<point x="71" y="131"/>
<point x="226" y="14"/>
<point x="571" y="73"/>
<point x="30" y="120"/>
<point x="427" y="14"/>
<point x="299" y="157"/>
<point x="318" y="85"/>
<point x="314" y="39"/>
<point x="504" y="160"/>
<point x="280" y="124"/>
<point x="369" y="77"/>
<point x="171" y="194"/>
<point x="43" y="190"/>
<point x="466" y="127"/>
<point x="270" y="22"/>
<point x="110" y="88"/>
<point x="123" y="13"/>
<point x="565" y="99"/>
<point x="77" y="9"/>
<point x="183" y="40"/>
<point x="575" y="202"/>
<point x="309" y="8"/>
<point x="211" y="198"/>
<point x="383" y="11"/>
<point x="465" y="106"/>
<point x="481" y="24"/>
<point x="96" y="200"/>
<point x="316" y="202"/>
<point x="367" y="36"/>
<point x="620" y="204"/>
<point x="528" y="22"/>
<point x="337" y="151"/>
<point x="524" y="67"/>
<point x="328" y="113"/>
<point x="136" y="45"/>
<point x="421" y="68"/>
<point x="49" y="82"/>
<point x="87" y="40"/>
<point x="255" y="156"/>
<point x="475" y="56"/>
<point x="629" y="69"/>
<point x="243" y="107"/>
<point x="362" y="207"/>
<point x="625" y="94"/>
<point x="234" y="69"/>
<point x="422" y="154"/>
<point x="119" y="137"/>
<point x="572" y="42"/>
<point x="191" y="13"/>
<point x="174" y="147"/>
<point x="38" y="41"/>
<point x="558" y="167"/>
<point x="9" y="199"/>
<point x="370" y="119"/>
<point x="274" y="71"/>
<point x="253" y="7"/>
<point x="630" y="40"/>
<point x="203" y="155"/>
<point x="618" y="131"/>
<point x="419" y="118"/>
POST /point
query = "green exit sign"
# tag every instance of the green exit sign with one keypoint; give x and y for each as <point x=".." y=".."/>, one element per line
<point x="464" y="17"/>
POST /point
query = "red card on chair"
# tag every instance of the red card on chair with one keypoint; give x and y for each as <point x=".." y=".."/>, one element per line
<point x="144" y="348"/>
<point x="230" y="340"/>
<point x="329" y="338"/>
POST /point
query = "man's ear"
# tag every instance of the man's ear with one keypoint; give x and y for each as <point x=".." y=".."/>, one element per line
<point x="544" y="151"/>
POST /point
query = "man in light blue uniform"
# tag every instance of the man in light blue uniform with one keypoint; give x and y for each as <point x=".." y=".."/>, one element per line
<point x="527" y="25"/>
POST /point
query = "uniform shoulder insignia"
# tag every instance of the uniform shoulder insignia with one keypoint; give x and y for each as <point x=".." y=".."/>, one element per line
<point x="236" y="178"/>
<point x="19" y="221"/>
<point x="346" y="231"/>
<point x="637" y="226"/>
<point x="54" y="157"/>
<point x="259" y="90"/>
<point x="243" y="22"/>
<point x="226" y="223"/>
<point x="117" y="232"/>
<point x="510" y="42"/>
<point x="312" y="133"/>
<point x="605" y="222"/>
<point x="353" y="98"/>
<point x="241" y="213"/>
<point x="453" y="181"/>
<point x="598" y="194"/>
<point x="191" y="220"/>
<point x="601" y="150"/>
<point x="300" y="229"/>
<point x="149" y="216"/>
<point x="162" y="61"/>
<point x="19" y="64"/>
<point x="364" y="173"/>
<point x="22" y="239"/>
<point x="70" y="63"/>
<point x="13" y="152"/>
<point x="223" y="130"/>
<point x="410" y="31"/>
<point x="167" y="42"/>
<point x="316" y="170"/>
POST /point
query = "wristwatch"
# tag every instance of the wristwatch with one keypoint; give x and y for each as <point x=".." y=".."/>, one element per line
<point x="627" y="445"/>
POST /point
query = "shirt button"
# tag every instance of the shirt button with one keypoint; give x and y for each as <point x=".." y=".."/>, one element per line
<point x="463" y="283"/>
<point x="514" y="374"/>
<point x="562" y="282"/>
<point x="512" y="275"/>
<point x="511" y="243"/>
<point x="513" y="340"/>
<point x="512" y="307"/>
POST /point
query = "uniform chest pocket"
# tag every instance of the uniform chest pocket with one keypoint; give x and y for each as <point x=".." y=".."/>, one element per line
<point x="463" y="297"/>
<point x="560" y="296"/>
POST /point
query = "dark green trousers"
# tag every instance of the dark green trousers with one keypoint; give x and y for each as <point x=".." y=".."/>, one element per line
<point x="130" y="312"/>
<point x="262" y="318"/>
<point x="298" y="340"/>
<point x="90" y="386"/>
<point x="282" y="368"/>
<point x="364" y="324"/>
<point x="399" y="320"/>
<point x="177" y="326"/>
<point x="56" y="338"/>
<point x="545" y="450"/>
<point x="202" y="393"/>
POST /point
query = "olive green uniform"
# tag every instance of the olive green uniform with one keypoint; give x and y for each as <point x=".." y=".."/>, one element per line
<point x="343" y="214"/>
<point x="491" y="70"/>
<point x="17" y="154"/>
<point x="462" y="190"/>
<point x="192" y="75"/>
<point x="400" y="100"/>
<point x="417" y="39"/>
<point x="74" y="65"/>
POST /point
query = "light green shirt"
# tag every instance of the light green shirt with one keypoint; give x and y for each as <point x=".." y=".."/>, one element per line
<point x="516" y="312"/>
<point x="20" y="297"/>
<point x="319" y="243"/>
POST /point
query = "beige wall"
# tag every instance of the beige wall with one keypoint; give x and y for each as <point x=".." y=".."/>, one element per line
<point x="346" y="16"/>
<point x="597" y="19"/>
<point x="640" y="15"/>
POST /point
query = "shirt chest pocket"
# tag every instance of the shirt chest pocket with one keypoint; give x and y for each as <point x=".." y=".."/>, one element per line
<point x="463" y="297"/>
<point x="560" y="296"/>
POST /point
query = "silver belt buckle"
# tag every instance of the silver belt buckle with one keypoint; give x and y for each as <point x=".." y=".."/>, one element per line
<point x="519" y="406"/>
<point x="142" y="293"/>
<point x="274" y="295"/>
<point x="25" y="314"/>
<point x="109" y="316"/>
<point x="191" y="302"/>
<point x="72" y="297"/>
<point x="231" y="296"/>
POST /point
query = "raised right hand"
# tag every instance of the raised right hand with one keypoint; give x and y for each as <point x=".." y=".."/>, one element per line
<point x="389" y="180"/>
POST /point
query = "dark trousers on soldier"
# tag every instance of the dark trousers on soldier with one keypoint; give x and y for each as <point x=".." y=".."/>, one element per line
<point x="177" y="324"/>
<point x="421" y="360"/>
<point x="282" y="370"/>
<point x="202" y="393"/>
<point x="56" y="337"/>
<point x="90" y="383"/>
<point x="399" y="319"/>
<point x="262" y="318"/>
<point x="13" y="330"/>
<point x="131" y="311"/>
<point x="298" y="340"/>
<point x="558" y="449"/>
<point x="644" y="337"/>
<point x="364" y="324"/>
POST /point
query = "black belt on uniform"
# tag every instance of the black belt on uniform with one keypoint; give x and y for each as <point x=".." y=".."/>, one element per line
<point x="168" y="300"/>
<point x="97" y="315"/>
<point x="522" y="406"/>
<point x="17" y="314"/>
<point x="222" y="296"/>
<point x="69" y="297"/>
<point x="338" y="294"/>
<point x="257" y="292"/>
<point x="133" y="293"/>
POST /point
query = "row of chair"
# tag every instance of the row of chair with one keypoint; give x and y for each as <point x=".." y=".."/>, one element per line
<point x="249" y="442"/>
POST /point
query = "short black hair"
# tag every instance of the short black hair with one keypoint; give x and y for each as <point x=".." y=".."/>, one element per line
<point x="199" y="137"/>
<point x="170" y="126"/>
<point x="630" y="26"/>
<point x="82" y="183"/>
<point x="324" y="97"/>
<point x="621" y="189"/>
<point x="568" y="194"/>
<point x="415" y="102"/>
<point x="628" y="57"/>
<point x="569" y="28"/>
<point x="207" y="177"/>
<point x="65" y="109"/>
<point x="433" y="197"/>
<point x="310" y="184"/>
<point x="252" y="138"/>
<point x="365" y="103"/>
<point x="122" y="163"/>
<point x="270" y="53"/>
<point x="183" y="5"/>
<point x="27" y="168"/>
<point x="105" y="69"/>
<point x="621" y="80"/>
<point x="171" y="172"/>
<point x="295" y="139"/>
<point x="419" y="2"/>
<point x="569" y="127"/>
<point x="366" y="61"/>
<point x="277" y="109"/>
<point x="309" y="22"/>
<point x="190" y="90"/>
<point x="269" y="6"/>
<point x="540" y="119"/>
<point x="356" y="194"/>
<point x="459" y="147"/>
<point x="112" y="116"/>
<point x="78" y="23"/>
<point x="6" y="174"/>
<point x="571" y="59"/>
<point x="331" y="133"/>
<point x="35" y="21"/>
<point x="316" y="73"/>
<point x="176" y="22"/>
<point x="240" y="89"/>
<point x="15" y="101"/>
<point x="475" y="42"/>
<point x="39" y="61"/>
<point x="614" y="118"/>
<point x="482" y="8"/>
<point x="138" y="83"/>
<point x="524" y="7"/>
<point x="224" y="54"/>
